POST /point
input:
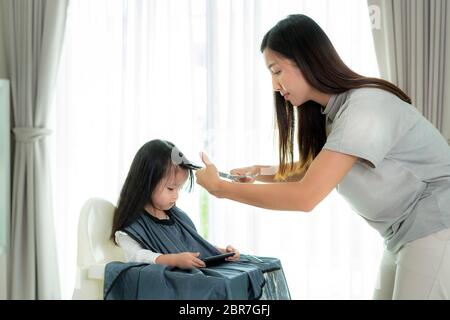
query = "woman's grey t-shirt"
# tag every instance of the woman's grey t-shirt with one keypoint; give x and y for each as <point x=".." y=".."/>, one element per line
<point x="400" y="183"/>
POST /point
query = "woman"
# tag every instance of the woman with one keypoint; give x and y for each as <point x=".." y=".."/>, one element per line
<point x="361" y="136"/>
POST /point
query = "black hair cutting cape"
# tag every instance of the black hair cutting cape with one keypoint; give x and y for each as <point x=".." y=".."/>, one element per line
<point x="243" y="279"/>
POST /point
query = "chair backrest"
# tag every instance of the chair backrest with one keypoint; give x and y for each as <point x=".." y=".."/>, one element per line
<point x="94" y="231"/>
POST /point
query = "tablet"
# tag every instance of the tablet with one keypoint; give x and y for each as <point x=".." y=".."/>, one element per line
<point x="220" y="258"/>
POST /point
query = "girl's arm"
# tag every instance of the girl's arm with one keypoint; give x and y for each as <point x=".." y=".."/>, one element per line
<point x="324" y="173"/>
<point x="135" y="253"/>
<point x="184" y="260"/>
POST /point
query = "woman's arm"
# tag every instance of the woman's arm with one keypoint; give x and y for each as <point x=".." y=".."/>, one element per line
<point x="324" y="173"/>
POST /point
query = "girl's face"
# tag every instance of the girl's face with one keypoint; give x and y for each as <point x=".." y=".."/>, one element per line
<point x="166" y="193"/>
<point x="287" y="78"/>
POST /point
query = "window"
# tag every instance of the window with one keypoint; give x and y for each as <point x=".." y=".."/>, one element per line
<point x="191" y="72"/>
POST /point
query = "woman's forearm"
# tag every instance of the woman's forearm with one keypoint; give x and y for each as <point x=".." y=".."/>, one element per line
<point x="286" y="196"/>
<point x="323" y="175"/>
<point x="265" y="178"/>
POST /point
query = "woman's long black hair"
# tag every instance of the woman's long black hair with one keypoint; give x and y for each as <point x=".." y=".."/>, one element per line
<point x="300" y="39"/>
<point x="150" y="165"/>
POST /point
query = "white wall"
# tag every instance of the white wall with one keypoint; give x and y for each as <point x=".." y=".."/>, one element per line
<point x="4" y="183"/>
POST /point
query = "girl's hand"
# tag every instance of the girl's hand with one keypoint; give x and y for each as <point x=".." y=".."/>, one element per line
<point x="208" y="177"/>
<point x="236" y="256"/>
<point x="188" y="260"/>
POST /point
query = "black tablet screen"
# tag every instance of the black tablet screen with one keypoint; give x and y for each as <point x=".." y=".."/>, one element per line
<point x="213" y="260"/>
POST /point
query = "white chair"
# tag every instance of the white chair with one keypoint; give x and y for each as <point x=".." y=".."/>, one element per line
<point x="95" y="249"/>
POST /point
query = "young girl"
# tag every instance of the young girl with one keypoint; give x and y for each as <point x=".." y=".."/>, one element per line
<point x="162" y="248"/>
<point x="147" y="224"/>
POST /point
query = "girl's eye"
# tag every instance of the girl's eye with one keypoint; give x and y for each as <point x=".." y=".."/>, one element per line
<point x="171" y="189"/>
<point x="276" y="72"/>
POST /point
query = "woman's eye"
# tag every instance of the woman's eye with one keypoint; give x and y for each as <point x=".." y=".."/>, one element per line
<point x="170" y="189"/>
<point x="277" y="72"/>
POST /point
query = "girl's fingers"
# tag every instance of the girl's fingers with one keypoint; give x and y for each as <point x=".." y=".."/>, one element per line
<point x="199" y="263"/>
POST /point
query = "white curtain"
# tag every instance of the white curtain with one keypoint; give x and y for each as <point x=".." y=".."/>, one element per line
<point x="191" y="72"/>
<point x="33" y="36"/>
<point x="329" y="253"/>
<point x="131" y="72"/>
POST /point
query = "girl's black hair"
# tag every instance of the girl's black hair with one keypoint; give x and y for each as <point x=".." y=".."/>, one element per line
<point x="300" y="39"/>
<point x="150" y="165"/>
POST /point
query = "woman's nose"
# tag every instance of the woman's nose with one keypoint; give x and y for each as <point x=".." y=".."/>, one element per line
<point x="276" y="84"/>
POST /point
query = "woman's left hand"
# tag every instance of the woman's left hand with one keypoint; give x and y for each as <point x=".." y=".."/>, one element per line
<point x="208" y="177"/>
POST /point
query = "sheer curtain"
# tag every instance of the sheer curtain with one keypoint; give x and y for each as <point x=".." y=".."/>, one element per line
<point x="130" y="72"/>
<point x="191" y="72"/>
<point x="327" y="254"/>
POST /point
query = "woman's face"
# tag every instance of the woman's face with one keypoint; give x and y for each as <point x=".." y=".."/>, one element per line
<point x="287" y="78"/>
<point x="166" y="193"/>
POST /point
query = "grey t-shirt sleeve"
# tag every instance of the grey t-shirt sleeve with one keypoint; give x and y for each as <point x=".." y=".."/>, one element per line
<point x="369" y="124"/>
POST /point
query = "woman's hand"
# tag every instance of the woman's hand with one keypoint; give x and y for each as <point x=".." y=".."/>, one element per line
<point x="187" y="260"/>
<point x="249" y="172"/>
<point x="228" y="249"/>
<point x="208" y="177"/>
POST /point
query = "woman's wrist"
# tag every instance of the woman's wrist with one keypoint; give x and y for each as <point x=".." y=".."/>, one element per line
<point x="221" y="188"/>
